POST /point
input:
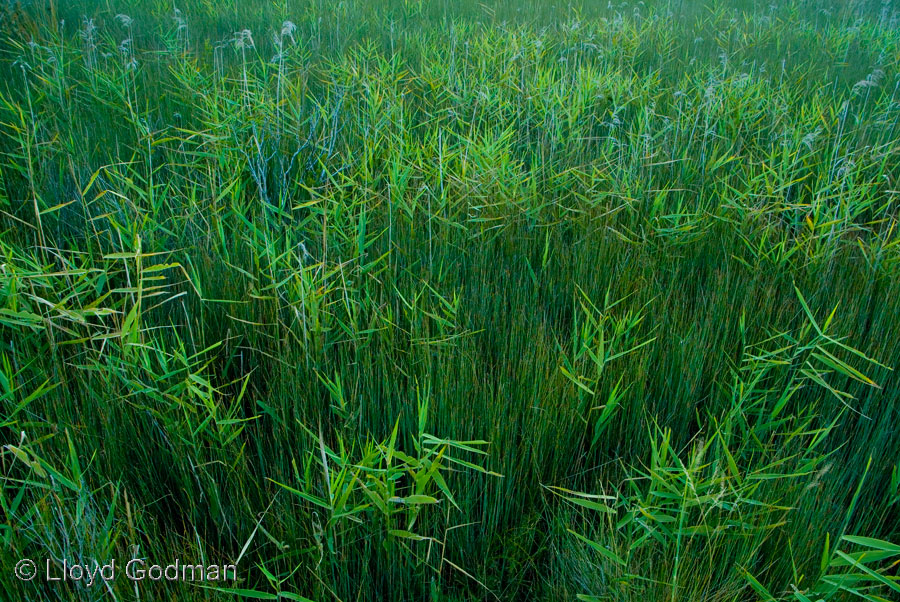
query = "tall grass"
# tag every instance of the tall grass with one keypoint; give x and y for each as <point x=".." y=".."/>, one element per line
<point x="452" y="301"/>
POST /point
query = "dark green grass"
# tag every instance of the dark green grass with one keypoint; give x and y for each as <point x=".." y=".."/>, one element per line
<point x="452" y="301"/>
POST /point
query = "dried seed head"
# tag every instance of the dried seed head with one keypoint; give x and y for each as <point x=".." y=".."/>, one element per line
<point x="180" y="21"/>
<point x="288" y="28"/>
<point x="873" y="80"/>
<point x="243" y="39"/>
<point x="87" y="29"/>
<point x="810" y="139"/>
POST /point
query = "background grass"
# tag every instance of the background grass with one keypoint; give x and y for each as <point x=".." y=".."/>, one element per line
<point x="452" y="301"/>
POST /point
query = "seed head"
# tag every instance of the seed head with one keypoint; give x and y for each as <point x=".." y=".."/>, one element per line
<point x="287" y="29"/>
<point x="243" y="39"/>
<point x="124" y="20"/>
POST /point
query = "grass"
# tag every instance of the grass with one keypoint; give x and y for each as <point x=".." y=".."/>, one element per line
<point x="452" y="301"/>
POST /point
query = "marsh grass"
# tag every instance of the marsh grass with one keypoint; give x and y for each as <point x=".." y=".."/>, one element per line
<point x="412" y="300"/>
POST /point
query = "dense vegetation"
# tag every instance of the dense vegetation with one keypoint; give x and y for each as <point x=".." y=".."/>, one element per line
<point x="452" y="301"/>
